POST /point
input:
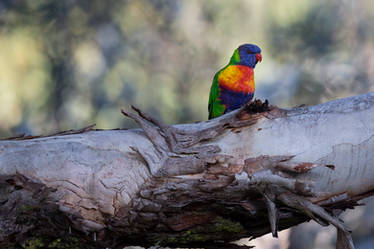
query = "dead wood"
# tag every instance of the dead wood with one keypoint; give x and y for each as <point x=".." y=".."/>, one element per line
<point x="199" y="185"/>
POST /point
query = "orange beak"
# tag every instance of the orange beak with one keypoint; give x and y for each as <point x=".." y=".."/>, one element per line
<point x="258" y="57"/>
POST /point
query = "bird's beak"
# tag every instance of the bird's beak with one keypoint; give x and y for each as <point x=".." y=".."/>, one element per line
<point x="258" y="57"/>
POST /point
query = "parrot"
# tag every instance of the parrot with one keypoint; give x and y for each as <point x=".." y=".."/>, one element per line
<point x="234" y="85"/>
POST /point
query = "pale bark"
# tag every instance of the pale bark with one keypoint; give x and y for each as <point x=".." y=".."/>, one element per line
<point x="202" y="184"/>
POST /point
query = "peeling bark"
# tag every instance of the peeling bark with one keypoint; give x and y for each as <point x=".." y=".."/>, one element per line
<point x="191" y="185"/>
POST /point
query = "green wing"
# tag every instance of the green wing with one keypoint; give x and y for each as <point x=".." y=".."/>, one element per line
<point x="215" y="108"/>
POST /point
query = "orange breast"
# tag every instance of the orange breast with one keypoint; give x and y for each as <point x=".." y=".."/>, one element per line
<point x="237" y="78"/>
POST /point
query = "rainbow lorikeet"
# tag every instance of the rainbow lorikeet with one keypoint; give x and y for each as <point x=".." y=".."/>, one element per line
<point x="234" y="85"/>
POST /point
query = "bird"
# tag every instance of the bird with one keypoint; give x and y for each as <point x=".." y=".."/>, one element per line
<point x="234" y="85"/>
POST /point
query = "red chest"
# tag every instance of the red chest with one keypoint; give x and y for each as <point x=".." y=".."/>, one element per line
<point x="237" y="78"/>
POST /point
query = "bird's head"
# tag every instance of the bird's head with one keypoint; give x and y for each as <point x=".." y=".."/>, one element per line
<point x="247" y="54"/>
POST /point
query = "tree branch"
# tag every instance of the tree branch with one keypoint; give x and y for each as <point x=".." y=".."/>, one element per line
<point x="193" y="185"/>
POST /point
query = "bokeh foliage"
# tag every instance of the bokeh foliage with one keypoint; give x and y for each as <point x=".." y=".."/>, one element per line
<point x="67" y="64"/>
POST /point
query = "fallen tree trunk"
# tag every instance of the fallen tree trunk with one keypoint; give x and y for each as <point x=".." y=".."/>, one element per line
<point x="192" y="185"/>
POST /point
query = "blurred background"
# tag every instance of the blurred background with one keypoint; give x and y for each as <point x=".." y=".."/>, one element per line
<point x="67" y="64"/>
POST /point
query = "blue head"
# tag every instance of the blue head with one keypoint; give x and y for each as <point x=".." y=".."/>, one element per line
<point x="249" y="55"/>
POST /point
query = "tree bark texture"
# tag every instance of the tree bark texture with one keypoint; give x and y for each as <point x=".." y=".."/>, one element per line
<point x="206" y="184"/>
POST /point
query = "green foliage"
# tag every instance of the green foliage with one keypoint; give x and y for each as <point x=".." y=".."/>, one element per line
<point x="67" y="64"/>
<point x="59" y="243"/>
<point x="65" y="243"/>
<point x="225" y="225"/>
<point x="218" y="229"/>
<point x="187" y="237"/>
<point x="33" y="243"/>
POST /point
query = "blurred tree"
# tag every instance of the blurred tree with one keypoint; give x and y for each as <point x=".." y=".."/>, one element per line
<point x="67" y="64"/>
<point x="88" y="58"/>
